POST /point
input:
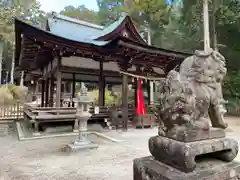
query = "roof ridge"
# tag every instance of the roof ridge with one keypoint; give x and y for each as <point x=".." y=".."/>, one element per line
<point x="76" y="21"/>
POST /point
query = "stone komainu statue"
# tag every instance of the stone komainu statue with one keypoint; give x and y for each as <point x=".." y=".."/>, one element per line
<point x="192" y="94"/>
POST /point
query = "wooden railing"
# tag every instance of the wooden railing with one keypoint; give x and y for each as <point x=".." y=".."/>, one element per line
<point x="49" y="113"/>
<point x="11" y="112"/>
<point x="233" y="111"/>
<point x="39" y="115"/>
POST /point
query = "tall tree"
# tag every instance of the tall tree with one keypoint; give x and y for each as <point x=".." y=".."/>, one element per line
<point x="225" y="21"/>
<point x="80" y="12"/>
<point x="147" y="14"/>
<point x="109" y="11"/>
<point x="27" y="10"/>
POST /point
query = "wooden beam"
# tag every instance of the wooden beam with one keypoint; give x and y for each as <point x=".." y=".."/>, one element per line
<point x="151" y="50"/>
<point x="77" y="70"/>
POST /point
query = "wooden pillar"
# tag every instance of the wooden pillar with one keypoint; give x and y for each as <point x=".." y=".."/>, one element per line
<point x="42" y="93"/>
<point x="46" y="89"/>
<point x="36" y="87"/>
<point x="138" y="70"/>
<point x="135" y="90"/>
<point x="151" y="92"/>
<point x="125" y="100"/>
<point x="101" y="85"/>
<point x="73" y="88"/>
<point x="31" y="89"/>
<point x="51" y="91"/>
<point x="148" y="92"/>
<point x="58" y="84"/>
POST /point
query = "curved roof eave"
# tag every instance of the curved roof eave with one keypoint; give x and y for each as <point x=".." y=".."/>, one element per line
<point x="145" y="47"/>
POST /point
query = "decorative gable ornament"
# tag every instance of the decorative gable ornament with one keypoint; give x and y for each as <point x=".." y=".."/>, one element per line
<point x="125" y="34"/>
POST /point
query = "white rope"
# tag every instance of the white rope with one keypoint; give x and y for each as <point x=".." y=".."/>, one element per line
<point x="142" y="77"/>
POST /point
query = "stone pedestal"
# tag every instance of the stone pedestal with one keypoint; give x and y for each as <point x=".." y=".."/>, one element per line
<point x="189" y="157"/>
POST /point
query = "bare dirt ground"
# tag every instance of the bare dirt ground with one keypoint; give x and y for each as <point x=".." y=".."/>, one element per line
<point x="43" y="159"/>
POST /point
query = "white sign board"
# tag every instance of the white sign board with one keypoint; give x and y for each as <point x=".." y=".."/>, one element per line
<point x="96" y="110"/>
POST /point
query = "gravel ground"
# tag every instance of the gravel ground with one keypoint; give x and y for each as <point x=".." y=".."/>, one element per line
<point x="43" y="159"/>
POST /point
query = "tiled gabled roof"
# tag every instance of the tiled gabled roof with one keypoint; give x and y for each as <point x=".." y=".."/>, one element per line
<point x="74" y="29"/>
<point x="78" y="30"/>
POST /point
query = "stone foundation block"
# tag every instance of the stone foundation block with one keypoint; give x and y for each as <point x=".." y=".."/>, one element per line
<point x="147" y="168"/>
<point x="182" y="156"/>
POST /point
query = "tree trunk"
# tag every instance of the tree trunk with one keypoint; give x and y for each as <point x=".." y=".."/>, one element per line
<point x="1" y="60"/>
<point x="151" y="90"/>
<point x="206" y="25"/>
<point x="12" y="68"/>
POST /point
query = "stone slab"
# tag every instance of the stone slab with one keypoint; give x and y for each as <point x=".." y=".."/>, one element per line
<point x="196" y="134"/>
<point x="147" y="168"/>
<point x="36" y="134"/>
<point x="181" y="155"/>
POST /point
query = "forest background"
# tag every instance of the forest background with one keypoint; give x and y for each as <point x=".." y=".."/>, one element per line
<point x="175" y="25"/>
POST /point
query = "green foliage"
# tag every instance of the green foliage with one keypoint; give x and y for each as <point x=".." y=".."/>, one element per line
<point x="29" y="12"/>
<point x="109" y="11"/>
<point x="153" y="12"/>
<point x="110" y="99"/>
<point x="80" y="12"/>
<point x="11" y="93"/>
<point x="26" y="10"/>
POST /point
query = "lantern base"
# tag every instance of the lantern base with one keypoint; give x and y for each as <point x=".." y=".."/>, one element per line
<point x="75" y="147"/>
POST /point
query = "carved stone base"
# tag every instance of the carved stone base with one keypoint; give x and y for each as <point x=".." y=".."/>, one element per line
<point x="148" y="168"/>
<point x="191" y="135"/>
<point x="182" y="156"/>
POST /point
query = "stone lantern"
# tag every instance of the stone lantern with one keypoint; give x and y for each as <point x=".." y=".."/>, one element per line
<point x="82" y="115"/>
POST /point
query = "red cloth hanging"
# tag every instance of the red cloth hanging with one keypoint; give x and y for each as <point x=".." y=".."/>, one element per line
<point x="140" y="109"/>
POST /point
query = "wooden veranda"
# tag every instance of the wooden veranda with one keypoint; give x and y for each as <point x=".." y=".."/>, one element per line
<point x="88" y="53"/>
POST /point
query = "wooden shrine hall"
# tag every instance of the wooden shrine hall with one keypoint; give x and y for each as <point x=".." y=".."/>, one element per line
<point x="74" y="50"/>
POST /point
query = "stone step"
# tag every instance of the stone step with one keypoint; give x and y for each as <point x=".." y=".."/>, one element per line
<point x="4" y="129"/>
